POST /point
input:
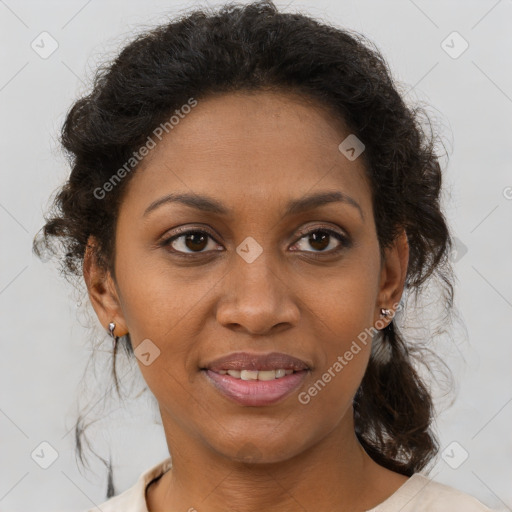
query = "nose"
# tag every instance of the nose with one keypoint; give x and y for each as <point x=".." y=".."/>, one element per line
<point x="256" y="298"/>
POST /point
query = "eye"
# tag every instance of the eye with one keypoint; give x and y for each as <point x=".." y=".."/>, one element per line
<point x="322" y="238"/>
<point x="195" y="240"/>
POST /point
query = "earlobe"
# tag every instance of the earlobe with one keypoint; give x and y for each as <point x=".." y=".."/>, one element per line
<point x="393" y="273"/>
<point x="101" y="290"/>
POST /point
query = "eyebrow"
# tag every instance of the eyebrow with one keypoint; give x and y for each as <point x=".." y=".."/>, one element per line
<point x="208" y="204"/>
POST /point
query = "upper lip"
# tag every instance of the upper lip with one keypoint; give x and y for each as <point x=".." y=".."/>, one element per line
<point x="253" y="361"/>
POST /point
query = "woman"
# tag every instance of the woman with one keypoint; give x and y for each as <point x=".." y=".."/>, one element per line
<point x="251" y="203"/>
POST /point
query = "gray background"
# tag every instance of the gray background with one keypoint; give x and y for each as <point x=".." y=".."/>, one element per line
<point x="45" y="337"/>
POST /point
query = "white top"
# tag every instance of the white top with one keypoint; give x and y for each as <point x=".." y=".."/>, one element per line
<point x="417" y="494"/>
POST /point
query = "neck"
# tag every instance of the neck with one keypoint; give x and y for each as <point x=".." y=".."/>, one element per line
<point x="334" y="474"/>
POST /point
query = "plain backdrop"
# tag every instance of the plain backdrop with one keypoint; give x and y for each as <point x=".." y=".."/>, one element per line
<point x="45" y="335"/>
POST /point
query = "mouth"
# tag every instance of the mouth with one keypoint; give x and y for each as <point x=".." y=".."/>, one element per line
<point x="256" y="379"/>
<point x="256" y="374"/>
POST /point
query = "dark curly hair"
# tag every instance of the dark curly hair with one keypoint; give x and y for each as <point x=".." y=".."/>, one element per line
<point x="255" y="47"/>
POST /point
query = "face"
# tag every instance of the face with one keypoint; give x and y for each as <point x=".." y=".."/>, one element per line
<point x="262" y="270"/>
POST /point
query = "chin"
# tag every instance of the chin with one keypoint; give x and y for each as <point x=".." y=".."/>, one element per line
<point x="260" y="450"/>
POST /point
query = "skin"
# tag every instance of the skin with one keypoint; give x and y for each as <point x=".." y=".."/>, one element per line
<point x="253" y="152"/>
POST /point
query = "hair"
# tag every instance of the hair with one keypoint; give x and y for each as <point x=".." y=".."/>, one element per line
<point x="254" y="47"/>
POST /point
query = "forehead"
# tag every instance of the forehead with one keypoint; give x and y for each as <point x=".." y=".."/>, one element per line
<point x="266" y="146"/>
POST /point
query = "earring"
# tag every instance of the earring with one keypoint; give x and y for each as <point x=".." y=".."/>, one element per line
<point x="385" y="312"/>
<point x="111" y="327"/>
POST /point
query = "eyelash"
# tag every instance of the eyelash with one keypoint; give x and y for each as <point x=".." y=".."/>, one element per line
<point x="343" y="239"/>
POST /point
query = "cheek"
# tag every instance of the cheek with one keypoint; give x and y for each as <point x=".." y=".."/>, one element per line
<point x="158" y="301"/>
<point x="343" y="311"/>
<point x="345" y="303"/>
<point x="164" y="312"/>
<point x="346" y="345"/>
<point x="346" y="349"/>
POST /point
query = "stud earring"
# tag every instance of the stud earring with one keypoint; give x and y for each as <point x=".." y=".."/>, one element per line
<point x="111" y="327"/>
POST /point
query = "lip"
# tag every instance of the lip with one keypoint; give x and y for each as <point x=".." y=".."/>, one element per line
<point x="255" y="392"/>
<point x="255" y="361"/>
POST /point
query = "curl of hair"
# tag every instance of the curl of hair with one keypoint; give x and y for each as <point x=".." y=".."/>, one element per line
<point x="255" y="47"/>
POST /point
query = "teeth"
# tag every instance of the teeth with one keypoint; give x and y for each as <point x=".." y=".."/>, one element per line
<point x="266" y="375"/>
<point x="249" y="375"/>
<point x="256" y="375"/>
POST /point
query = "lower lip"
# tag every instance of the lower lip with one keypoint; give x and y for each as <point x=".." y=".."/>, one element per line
<point x="256" y="392"/>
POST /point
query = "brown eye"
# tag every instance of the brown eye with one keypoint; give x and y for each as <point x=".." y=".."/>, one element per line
<point x="189" y="242"/>
<point x="322" y="239"/>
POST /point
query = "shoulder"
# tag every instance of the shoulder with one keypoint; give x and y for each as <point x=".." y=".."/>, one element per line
<point x="421" y="494"/>
<point x="134" y="498"/>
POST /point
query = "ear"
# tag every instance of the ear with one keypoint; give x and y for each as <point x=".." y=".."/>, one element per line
<point x="392" y="275"/>
<point x="102" y="291"/>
